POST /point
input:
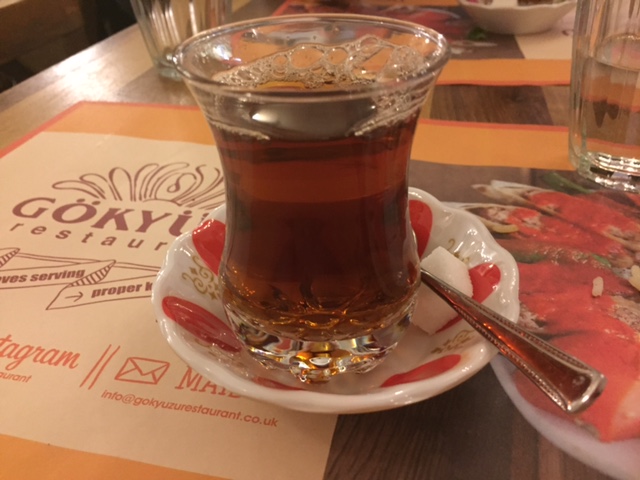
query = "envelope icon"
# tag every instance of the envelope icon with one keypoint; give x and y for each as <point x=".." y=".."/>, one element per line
<point x="142" y="370"/>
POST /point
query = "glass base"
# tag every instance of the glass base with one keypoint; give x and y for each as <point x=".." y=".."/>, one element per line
<point x="319" y="361"/>
<point x="168" y="71"/>
<point x="609" y="171"/>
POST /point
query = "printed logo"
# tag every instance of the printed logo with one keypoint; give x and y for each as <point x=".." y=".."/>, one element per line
<point x="142" y="370"/>
<point x="145" y="208"/>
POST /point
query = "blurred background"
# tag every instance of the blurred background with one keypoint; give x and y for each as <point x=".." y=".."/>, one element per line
<point x="35" y="34"/>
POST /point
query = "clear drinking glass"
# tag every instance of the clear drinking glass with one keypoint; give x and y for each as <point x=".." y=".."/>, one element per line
<point x="313" y="118"/>
<point x="165" y="24"/>
<point x="604" y="126"/>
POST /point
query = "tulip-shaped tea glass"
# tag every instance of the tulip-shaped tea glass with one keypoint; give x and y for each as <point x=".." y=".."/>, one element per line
<point x="313" y="118"/>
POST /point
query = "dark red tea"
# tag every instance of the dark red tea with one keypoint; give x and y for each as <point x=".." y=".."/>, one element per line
<point x="318" y="242"/>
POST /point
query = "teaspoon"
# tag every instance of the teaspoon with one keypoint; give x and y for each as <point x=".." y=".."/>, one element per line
<point x="569" y="382"/>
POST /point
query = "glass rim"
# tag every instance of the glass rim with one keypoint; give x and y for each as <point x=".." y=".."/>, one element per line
<point x="440" y="55"/>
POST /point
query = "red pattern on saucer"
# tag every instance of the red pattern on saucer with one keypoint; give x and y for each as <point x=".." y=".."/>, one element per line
<point x="201" y="323"/>
<point x="208" y="239"/>
<point x="428" y="370"/>
<point x="421" y="219"/>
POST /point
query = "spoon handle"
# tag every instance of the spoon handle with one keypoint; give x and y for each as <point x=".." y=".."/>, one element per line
<point x="570" y="383"/>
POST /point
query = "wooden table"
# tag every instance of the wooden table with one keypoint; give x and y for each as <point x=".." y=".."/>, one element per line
<point x="470" y="432"/>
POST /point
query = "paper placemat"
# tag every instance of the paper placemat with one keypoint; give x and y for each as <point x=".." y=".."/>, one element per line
<point x="436" y="141"/>
<point x="478" y="57"/>
<point x="88" y="386"/>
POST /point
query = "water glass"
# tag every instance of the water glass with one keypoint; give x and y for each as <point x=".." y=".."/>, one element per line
<point x="604" y="126"/>
<point x="165" y="24"/>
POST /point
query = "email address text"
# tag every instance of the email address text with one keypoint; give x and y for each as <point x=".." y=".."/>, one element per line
<point x="149" y="402"/>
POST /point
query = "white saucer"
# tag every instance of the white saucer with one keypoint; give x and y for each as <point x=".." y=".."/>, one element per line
<point x="422" y="365"/>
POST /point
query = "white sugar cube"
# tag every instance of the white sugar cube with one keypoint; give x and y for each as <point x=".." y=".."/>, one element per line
<point x="435" y="312"/>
